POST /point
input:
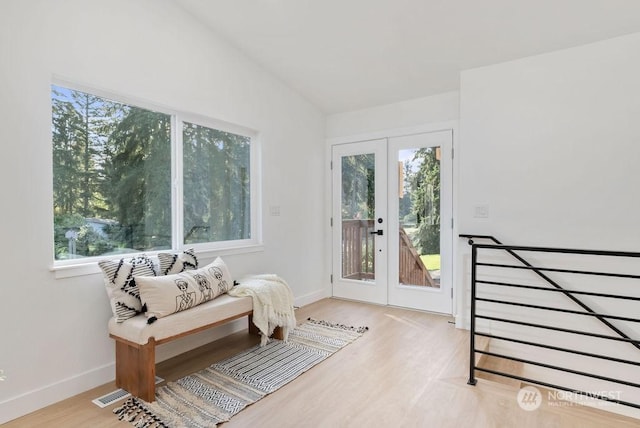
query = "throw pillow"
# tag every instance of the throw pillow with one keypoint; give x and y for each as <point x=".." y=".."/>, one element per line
<point x="119" y="279"/>
<point x="177" y="262"/>
<point x="165" y="295"/>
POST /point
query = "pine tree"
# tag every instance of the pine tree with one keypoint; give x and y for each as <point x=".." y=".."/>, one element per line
<point x="137" y="169"/>
<point x="426" y="200"/>
<point x="216" y="185"/>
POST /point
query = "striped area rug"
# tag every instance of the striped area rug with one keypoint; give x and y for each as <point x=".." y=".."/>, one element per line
<point x="215" y="394"/>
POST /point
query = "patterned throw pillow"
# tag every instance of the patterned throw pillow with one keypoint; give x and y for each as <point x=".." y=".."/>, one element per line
<point x="165" y="295"/>
<point x="177" y="262"/>
<point x="121" y="286"/>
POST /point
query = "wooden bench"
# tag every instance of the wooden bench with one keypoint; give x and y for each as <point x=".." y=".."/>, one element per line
<point x="136" y="340"/>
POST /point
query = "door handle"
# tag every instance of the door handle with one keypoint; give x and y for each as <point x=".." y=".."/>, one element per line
<point x="378" y="232"/>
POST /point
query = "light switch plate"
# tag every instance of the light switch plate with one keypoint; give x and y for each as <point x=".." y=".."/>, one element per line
<point x="481" y="211"/>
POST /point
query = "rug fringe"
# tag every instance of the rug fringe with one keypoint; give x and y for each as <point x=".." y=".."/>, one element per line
<point x="360" y="329"/>
<point x="134" y="412"/>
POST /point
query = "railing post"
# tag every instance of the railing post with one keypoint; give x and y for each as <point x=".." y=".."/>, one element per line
<point x="472" y="333"/>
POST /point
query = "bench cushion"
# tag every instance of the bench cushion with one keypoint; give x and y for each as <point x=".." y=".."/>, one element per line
<point x="137" y="330"/>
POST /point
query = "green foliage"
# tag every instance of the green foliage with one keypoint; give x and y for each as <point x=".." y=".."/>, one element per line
<point x="425" y="193"/>
<point x="216" y="166"/>
<point x="79" y="122"/>
<point x="103" y="158"/>
<point x="407" y="217"/>
<point x="112" y="162"/>
<point x="358" y="186"/>
<point x="88" y="242"/>
<point x="428" y="238"/>
<point x="137" y="179"/>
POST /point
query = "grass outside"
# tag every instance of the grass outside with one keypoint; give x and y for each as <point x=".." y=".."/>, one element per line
<point x="431" y="261"/>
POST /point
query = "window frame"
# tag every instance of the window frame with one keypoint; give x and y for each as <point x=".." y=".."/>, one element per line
<point x="89" y="265"/>
<point x="254" y="185"/>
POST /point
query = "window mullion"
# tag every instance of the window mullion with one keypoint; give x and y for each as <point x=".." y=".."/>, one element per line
<point x="256" y="190"/>
<point x="177" y="180"/>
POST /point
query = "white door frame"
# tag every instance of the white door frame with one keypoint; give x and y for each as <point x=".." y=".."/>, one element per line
<point x="457" y="271"/>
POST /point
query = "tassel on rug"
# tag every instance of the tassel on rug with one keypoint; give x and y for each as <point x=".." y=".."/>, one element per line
<point x="360" y="329"/>
<point x="134" y="412"/>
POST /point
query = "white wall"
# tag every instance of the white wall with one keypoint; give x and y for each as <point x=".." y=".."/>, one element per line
<point x="550" y="145"/>
<point x="53" y="336"/>
<point x="405" y="114"/>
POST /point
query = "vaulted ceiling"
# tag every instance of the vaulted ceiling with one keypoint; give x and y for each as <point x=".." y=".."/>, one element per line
<point x="346" y="55"/>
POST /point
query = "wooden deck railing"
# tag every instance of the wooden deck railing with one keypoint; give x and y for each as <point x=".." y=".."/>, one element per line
<point x="412" y="269"/>
<point x="358" y="255"/>
<point x="358" y="249"/>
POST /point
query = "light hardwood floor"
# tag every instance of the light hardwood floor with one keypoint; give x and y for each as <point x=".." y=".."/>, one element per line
<point x="409" y="370"/>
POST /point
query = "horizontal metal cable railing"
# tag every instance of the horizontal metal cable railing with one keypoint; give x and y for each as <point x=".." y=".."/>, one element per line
<point x="504" y="317"/>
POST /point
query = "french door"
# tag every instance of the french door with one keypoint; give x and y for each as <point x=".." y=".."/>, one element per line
<point x="392" y="235"/>
<point x="359" y="226"/>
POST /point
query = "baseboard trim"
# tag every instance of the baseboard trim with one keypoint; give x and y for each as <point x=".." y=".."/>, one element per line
<point x="25" y="403"/>
<point x="36" y="399"/>
<point x="307" y="299"/>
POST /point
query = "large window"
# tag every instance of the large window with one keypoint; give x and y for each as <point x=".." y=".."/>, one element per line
<point x="128" y="179"/>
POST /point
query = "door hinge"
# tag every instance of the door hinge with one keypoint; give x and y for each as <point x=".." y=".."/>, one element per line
<point x="452" y="293"/>
<point x="451" y="222"/>
<point x="331" y="165"/>
<point x="331" y="222"/>
<point x="452" y="153"/>
<point x="331" y="278"/>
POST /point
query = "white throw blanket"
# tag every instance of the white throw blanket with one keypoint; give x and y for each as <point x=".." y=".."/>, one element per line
<point x="272" y="303"/>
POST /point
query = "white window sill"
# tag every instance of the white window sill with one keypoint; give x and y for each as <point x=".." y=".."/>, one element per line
<point x="89" y="266"/>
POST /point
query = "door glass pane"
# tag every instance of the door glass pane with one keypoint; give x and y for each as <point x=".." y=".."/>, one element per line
<point x="357" y="212"/>
<point x="419" y="216"/>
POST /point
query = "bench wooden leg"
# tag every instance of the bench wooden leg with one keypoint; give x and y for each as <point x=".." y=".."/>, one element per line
<point x="277" y="333"/>
<point x="136" y="369"/>
<point x="252" y="327"/>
